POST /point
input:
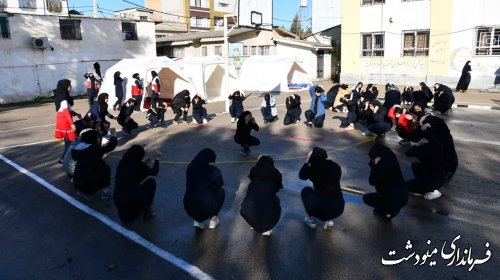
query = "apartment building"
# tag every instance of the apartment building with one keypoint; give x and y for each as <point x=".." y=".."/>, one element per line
<point x="197" y="15"/>
<point x="409" y="41"/>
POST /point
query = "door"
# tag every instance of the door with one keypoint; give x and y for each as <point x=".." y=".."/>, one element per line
<point x="321" y="64"/>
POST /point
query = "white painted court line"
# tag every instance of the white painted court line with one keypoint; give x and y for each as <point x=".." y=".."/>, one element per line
<point x="25" y="128"/>
<point x="28" y="144"/>
<point x="131" y="235"/>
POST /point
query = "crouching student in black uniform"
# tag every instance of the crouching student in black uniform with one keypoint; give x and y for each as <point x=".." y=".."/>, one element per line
<point x="351" y="102"/>
<point x="236" y="108"/>
<point x="443" y="98"/>
<point x="157" y="115"/>
<point x="91" y="172"/>
<point x="388" y="180"/>
<point x="134" y="194"/>
<point x="180" y="105"/>
<point x="293" y="110"/>
<point x="199" y="112"/>
<point x="243" y="128"/>
<point x="204" y="194"/>
<point x="324" y="200"/>
<point x="437" y="159"/>
<point x="124" y="118"/>
<point x="99" y="112"/>
<point x="376" y="118"/>
<point x="261" y="206"/>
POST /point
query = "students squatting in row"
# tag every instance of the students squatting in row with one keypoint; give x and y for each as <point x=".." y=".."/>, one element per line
<point x="323" y="201"/>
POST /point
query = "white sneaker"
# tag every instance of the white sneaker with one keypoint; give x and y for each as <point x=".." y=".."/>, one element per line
<point x="232" y="120"/>
<point x="328" y="225"/>
<point x="432" y="195"/>
<point x="269" y="232"/>
<point x="205" y="121"/>
<point x="213" y="223"/>
<point x="310" y="222"/>
<point x="198" y="225"/>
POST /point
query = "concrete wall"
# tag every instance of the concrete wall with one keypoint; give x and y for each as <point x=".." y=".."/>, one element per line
<point x="451" y="43"/>
<point x="26" y="73"/>
<point x="466" y="17"/>
<point x="325" y="14"/>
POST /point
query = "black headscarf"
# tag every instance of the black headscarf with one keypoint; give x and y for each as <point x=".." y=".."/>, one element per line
<point x="267" y="98"/>
<point x="135" y="76"/>
<point x="202" y="159"/>
<point x="101" y="99"/>
<point x="154" y="74"/>
<point x="90" y="136"/>
<point x="241" y="120"/>
<point x="62" y="93"/>
<point x="466" y="68"/>
<point x="379" y="150"/>
<point x="265" y="170"/>
<point x="117" y="78"/>
<point x="135" y="153"/>
<point x="318" y="155"/>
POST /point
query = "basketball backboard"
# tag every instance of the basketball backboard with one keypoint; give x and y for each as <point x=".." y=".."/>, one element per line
<point x="255" y="14"/>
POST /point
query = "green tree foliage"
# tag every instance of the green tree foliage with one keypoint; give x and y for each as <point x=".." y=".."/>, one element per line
<point x="296" y="27"/>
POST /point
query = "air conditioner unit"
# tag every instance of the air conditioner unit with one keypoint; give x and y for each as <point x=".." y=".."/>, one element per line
<point x="40" y="42"/>
<point x="3" y="3"/>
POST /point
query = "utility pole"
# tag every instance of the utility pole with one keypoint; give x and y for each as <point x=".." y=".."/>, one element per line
<point x="95" y="8"/>
<point x="226" y="58"/>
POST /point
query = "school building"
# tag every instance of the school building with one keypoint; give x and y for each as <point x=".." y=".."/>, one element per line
<point x="409" y="41"/>
<point x="41" y="43"/>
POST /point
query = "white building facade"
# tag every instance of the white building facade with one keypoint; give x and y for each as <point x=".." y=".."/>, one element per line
<point x="37" y="50"/>
<point x="325" y="14"/>
<point x="407" y="42"/>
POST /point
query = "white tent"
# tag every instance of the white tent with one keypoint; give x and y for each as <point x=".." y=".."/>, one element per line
<point x="207" y="75"/>
<point x="272" y="73"/>
<point x="172" y="78"/>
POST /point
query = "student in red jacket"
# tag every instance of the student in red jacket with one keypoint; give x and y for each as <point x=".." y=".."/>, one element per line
<point x="65" y="128"/>
<point x="404" y="123"/>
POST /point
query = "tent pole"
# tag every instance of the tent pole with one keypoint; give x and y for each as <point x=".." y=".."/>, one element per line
<point x="226" y="59"/>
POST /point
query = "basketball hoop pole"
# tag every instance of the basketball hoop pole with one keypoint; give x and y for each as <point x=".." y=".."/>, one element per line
<point x="226" y="58"/>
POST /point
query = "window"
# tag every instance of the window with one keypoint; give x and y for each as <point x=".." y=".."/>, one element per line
<point x="218" y="21"/>
<point x="30" y="4"/>
<point x="372" y="2"/>
<point x="178" y="52"/>
<point x="199" y="3"/>
<point x="218" y="50"/>
<point x="264" y="50"/>
<point x="54" y="6"/>
<point x="143" y="18"/>
<point x="416" y="43"/>
<point x="4" y="27"/>
<point x="70" y="29"/>
<point x="245" y="50"/>
<point x="129" y="31"/>
<point x="204" y="51"/>
<point x="488" y="40"/>
<point x="373" y="44"/>
<point x="253" y="50"/>
<point x="199" y="22"/>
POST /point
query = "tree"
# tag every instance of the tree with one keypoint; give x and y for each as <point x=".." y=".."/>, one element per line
<point x="296" y="27"/>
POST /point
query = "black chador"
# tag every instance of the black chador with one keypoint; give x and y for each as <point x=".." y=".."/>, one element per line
<point x="204" y="194"/>
<point x="261" y="206"/>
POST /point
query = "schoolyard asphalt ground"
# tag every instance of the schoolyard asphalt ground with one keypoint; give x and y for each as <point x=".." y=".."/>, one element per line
<point x="48" y="232"/>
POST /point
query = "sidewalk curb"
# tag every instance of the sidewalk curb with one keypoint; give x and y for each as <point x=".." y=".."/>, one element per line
<point x="472" y="106"/>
